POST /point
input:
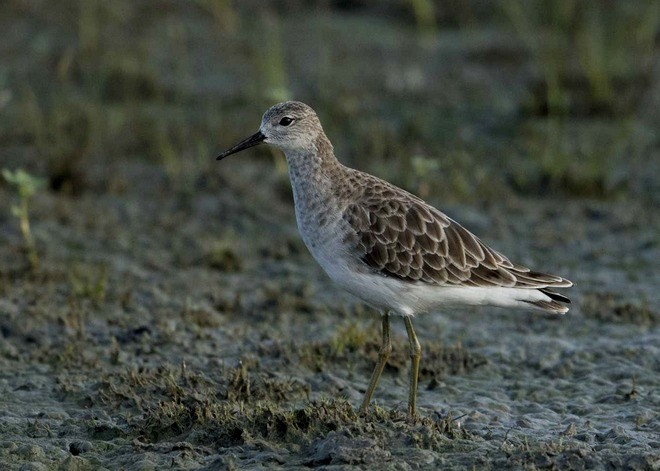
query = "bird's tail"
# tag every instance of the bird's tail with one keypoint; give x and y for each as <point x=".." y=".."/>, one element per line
<point x="555" y="302"/>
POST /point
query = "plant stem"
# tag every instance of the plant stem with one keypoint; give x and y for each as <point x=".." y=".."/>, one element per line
<point x="32" y="255"/>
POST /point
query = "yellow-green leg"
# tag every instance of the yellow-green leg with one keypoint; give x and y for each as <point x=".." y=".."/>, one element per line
<point x="383" y="355"/>
<point x="415" y="355"/>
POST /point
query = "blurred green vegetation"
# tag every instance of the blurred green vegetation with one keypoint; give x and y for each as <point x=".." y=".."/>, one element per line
<point x="464" y="101"/>
<point x="26" y="186"/>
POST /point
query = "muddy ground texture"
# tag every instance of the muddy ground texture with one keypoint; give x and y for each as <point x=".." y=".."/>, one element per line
<point x="176" y="321"/>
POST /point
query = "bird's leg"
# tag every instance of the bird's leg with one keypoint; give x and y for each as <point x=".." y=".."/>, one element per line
<point x="415" y="355"/>
<point x="383" y="355"/>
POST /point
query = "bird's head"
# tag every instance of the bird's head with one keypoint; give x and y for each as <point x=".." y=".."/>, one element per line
<point x="289" y="126"/>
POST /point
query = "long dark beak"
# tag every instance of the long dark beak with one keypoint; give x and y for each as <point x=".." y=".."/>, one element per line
<point x="251" y="141"/>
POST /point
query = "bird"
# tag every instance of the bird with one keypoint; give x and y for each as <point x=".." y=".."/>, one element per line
<point x="387" y="246"/>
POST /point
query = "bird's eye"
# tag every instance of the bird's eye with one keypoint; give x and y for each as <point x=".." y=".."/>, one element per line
<point x="285" y="121"/>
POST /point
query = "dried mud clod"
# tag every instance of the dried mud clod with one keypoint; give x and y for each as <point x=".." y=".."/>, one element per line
<point x="246" y="406"/>
<point x="227" y="424"/>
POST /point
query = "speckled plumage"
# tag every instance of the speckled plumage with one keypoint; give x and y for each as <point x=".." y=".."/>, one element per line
<point x="401" y="236"/>
<point x="387" y="246"/>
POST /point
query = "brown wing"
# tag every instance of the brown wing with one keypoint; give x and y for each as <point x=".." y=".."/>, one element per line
<point x="401" y="236"/>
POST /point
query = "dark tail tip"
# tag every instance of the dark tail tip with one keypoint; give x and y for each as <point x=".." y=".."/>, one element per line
<point x="555" y="296"/>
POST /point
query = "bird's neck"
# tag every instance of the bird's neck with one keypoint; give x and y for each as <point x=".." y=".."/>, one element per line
<point x="313" y="172"/>
<point x="308" y="166"/>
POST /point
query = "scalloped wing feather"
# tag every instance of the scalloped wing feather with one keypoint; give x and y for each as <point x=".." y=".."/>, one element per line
<point x="398" y="235"/>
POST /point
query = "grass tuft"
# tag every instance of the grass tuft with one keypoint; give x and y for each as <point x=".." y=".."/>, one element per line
<point x="26" y="186"/>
